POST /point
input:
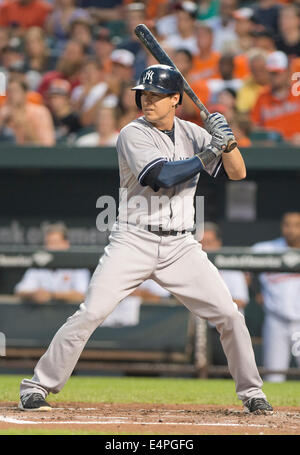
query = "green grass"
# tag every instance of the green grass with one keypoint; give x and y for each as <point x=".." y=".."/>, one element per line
<point x="154" y="390"/>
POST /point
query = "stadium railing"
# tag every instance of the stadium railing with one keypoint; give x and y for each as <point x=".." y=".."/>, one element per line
<point x="147" y="348"/>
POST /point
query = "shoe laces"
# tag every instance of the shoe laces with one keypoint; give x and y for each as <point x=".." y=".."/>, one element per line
<point x="260" y="401"/>
<point x="33" y="396"/>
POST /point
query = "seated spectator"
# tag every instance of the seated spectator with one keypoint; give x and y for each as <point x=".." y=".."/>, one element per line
<point x="266" y="14"/>
<point x="37" y="51"/>
<point x="4" y="40"/>
<point x="103" y="47"/>
<point x="205" y="63"/>
<point x="87" y="96"/>
<point x="223" y="25"/>
<point x="243" y="28"/>
<point x="127" y="313"/>
<point x="30" y="123"/>
<point x="277" y="108"/>
<point x="226" y="103"/>
<point x="134" y="14"/>
<point x="67" y="67"/>
<point x="11" y="53"/>
<point x="207" y="9"/>
<point x="24" y="13"/>
<point x="254" y="85"/>
<point x="103" y="11"/>
<point x="66" y="121"/>
<point x="155" y="9"/>
<point x="81" y="30"/>
<point x="106" y="126"/>
<point x="37" y="56"/>
<point x="289" y="31"/>
<point x="234" y="279"/>
<point x="127" y="109"/>
<point x="242" y="128"/>
<point x="59" y="21"/>
<point x="227" y="79"/>
<point x="188" y="110"/>
<point x="43" y="285"/>
<point x="18" y="72"/>
<point x="264" y="40"/>
<point x="185" y="13"/>
<point x="122" y="70"/>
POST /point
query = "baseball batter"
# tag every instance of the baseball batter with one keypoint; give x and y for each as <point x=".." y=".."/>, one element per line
<point x="160" y="160"/>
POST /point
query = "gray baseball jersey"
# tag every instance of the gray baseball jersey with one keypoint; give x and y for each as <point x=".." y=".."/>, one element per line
<point x="140" y="146"/>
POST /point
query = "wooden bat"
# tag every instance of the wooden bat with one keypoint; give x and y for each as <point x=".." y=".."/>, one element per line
<point x="153" y="46"/>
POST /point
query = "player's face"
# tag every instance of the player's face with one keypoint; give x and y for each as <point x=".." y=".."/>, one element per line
<point x="290" y="228"/>
<point x="210" y="242"/>
<point x="159" y="109"/>
<point x="56" y="241"/>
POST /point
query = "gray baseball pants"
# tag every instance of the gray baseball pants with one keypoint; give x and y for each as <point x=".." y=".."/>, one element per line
<point x="177" y="263"/>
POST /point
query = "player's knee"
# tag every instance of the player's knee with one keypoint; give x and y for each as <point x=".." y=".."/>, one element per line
<point x="230" y="318"/>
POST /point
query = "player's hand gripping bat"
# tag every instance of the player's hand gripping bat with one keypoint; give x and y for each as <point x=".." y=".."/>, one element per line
<point x="151" y="43"/>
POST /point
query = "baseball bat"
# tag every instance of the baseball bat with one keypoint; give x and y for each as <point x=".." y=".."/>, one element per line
<point x="153" y="46"/>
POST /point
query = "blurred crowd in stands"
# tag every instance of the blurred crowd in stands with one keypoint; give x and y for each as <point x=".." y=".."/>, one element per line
<point x="69" y="66"/>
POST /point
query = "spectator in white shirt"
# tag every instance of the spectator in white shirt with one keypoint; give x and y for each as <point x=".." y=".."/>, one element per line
<point x="227" y="81"/>
<point x="127" y="313"/>
<point x="223" y="25"/>
<point x="184" y="38"/>
<point x="43" y="285"/>
<point x="87" y="96"/>
<point x="106" y="126"/>
<point x="234" y="279"/>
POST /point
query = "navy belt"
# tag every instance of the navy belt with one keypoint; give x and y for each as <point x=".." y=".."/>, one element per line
<point x="160" y="231"/>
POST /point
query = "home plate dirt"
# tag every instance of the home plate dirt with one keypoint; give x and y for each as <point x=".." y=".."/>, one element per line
<point x="152" y="419"/>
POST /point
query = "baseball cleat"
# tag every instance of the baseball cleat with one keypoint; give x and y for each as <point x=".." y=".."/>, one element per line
<point x="258" y="406"/>
<point x="34" y="402"/>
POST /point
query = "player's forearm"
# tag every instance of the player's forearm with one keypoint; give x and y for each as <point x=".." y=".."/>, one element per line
<point x="174" y="172"/>
<point x="234" y="165"/>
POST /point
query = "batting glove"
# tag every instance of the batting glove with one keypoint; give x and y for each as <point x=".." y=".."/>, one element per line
<point x="221" y="132"/>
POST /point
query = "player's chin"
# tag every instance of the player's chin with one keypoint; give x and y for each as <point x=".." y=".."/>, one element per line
<point x="149" y="115"/>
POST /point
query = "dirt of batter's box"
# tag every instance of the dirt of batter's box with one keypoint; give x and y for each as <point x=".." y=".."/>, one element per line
<point x="160" y="419"/>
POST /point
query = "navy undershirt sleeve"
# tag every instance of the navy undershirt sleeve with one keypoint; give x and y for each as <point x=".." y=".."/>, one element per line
<point x="167" y="174"/>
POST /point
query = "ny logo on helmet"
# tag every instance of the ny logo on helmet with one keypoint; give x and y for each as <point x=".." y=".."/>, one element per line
<point x="148" y="76"/>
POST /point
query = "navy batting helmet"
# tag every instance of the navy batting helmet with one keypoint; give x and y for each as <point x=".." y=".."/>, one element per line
<point x="159" y="79"/>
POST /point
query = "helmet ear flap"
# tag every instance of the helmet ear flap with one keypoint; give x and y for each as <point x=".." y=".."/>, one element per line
<point x="138" y="99"/>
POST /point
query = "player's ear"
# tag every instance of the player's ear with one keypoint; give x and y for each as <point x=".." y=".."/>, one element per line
<point x="175" y="99"/>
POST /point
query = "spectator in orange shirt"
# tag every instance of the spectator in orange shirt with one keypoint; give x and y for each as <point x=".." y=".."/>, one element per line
<point x="30" y="123"/>
<point x="278" y="108"/>
<point x="226" y="79"/>
<point x="183" y="59"/>
<point x="24" y="13"/>
<point x="205" y="64"/>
